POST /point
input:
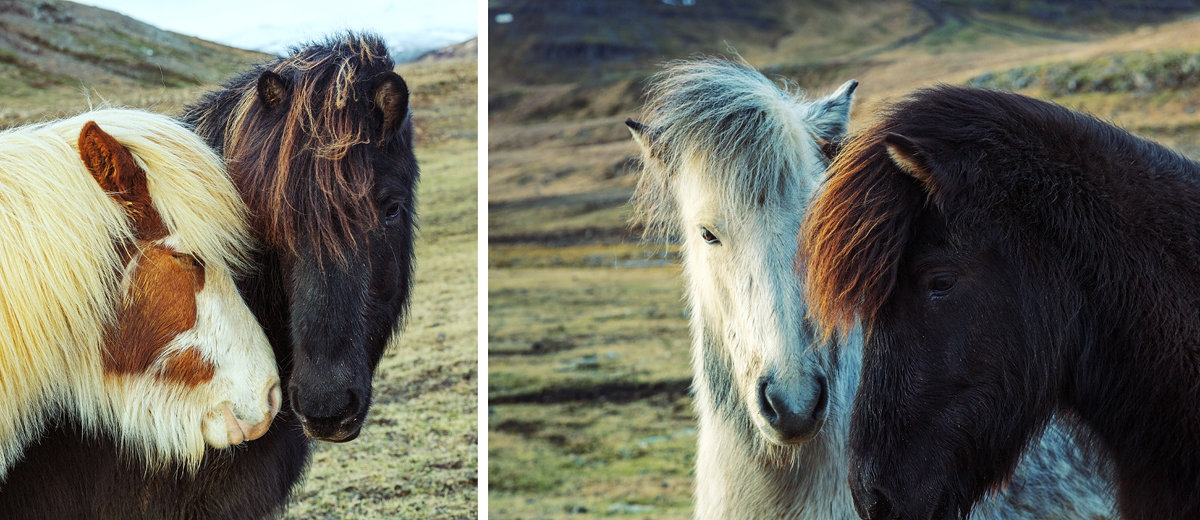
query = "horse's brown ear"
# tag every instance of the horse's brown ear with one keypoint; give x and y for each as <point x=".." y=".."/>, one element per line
<point x="909" y="156"/>
<point x="114" y="169"/>
<point x="391" y="99"/>
<point x="272" y="89"/>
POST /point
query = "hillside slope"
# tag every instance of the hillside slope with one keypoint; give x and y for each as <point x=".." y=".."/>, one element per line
<point x="565" y="74"/>
<point x="49" y="43"/>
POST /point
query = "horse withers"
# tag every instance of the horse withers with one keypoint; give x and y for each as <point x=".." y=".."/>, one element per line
<point x="730" y="162"/>
<point x="1012" y="259"/>
<point x="119" y="302"/>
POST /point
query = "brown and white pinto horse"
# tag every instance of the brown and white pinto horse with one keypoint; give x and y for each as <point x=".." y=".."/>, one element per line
<point x="117" y="300"/>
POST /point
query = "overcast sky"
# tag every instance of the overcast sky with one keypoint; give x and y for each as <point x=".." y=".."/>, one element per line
<point x="272" y="25"/>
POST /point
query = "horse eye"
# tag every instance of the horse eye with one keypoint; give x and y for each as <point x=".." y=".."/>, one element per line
<point x="941" y="284"/>
<point x="709" y="237"/>
<point x="187" y="260"/>
<point x="392" y="211"/>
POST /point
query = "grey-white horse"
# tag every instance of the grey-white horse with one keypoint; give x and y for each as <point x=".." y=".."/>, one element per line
<point x="730" y="162"/>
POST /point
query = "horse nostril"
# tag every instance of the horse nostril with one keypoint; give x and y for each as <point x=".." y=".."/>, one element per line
<point x="874" y="506"/>
<point x="822" y="398"/>
<point x="355" y="400"/>
<point x="882" y="508"/>
<point x="291" y="399"/>
<point x="765" y="403"/>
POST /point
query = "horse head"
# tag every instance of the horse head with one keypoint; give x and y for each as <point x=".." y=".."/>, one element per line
<point x="733" y="181"/>
<point x="182" y="337"/>
<point x="333" y="191"/>
<point x="921" y="232"/>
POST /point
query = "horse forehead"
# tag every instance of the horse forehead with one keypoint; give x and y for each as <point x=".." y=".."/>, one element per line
<point x="159" y="303"/>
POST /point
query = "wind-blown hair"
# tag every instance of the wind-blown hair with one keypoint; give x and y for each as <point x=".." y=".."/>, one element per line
<point x="303" y="166"/>
<point x="709" y="111"/>
<point x="862" y="220"/>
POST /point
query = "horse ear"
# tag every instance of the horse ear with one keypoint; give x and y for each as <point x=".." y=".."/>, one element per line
<point x="647" y="138"/>
<point x="642" y="134"/>
<point x="908" y="155"/>
<point x="272" y="89"/>
<point x="391" y="98"/>
<point x="831" y="114"/>
<point x="113" y="167"/>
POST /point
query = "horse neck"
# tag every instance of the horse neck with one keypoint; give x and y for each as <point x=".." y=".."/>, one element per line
<point x="735" y="478"/>
<point x="1134" y="256"/>
<point x="263" y="291"/>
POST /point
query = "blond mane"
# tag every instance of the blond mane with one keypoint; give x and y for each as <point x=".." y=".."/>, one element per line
<point x="61" y="274"/>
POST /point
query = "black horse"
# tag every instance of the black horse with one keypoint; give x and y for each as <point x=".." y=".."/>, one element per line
<point x="320" y="145"/>
<point x="1010" y="258"/>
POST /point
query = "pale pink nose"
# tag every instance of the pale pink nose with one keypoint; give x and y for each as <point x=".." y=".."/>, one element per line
<point x="254" y="431"/>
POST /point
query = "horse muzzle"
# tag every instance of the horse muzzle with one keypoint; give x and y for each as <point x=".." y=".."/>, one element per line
<point x="792" y="415"/>
<point x="874" y="500"/>
<point x="333" y="415"/>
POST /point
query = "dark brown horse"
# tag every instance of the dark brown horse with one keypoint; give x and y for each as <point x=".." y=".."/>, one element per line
<point x="1010" y="258"/>
<point x="320" y="145"/>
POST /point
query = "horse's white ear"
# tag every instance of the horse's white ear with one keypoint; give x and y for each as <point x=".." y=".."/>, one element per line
<point x="641" y="133"/>
<point x="831" y="114"/>
<point x="908" y="155"/>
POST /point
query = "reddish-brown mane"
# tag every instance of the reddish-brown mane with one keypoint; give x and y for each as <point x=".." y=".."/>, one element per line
<point x="856" y="230"/>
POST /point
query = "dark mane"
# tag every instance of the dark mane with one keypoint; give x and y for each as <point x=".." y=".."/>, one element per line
<point x="323" y="190"/>
<point x="859" y="225"/>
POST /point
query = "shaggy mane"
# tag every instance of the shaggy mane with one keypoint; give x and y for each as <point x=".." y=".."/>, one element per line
<point x="861" y="222"/>
<point x="323" y="190"/>
<point x="713" y="111"/>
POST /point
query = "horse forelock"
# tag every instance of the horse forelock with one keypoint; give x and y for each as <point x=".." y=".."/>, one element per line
<point x="855" y="233"/>
<point x="742" y="130"/>
<point x="305" y="168"/>
<point x="188" y="183"/>
<point x="984" y="151"/>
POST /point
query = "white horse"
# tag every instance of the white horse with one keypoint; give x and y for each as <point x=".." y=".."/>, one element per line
<point x="730" y="162"/>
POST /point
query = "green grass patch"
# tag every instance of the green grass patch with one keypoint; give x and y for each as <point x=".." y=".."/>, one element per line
<point x="588" y="373"/>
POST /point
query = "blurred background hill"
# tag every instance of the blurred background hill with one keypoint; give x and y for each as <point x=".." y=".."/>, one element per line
<point x="417" y="455"/>
<point x="51" y="50"/>
<point x="589" y="360"/>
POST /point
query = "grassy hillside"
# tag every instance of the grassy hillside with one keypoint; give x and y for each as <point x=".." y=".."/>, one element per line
<point x="53" y="53"/>
<point x="587" y="338"/>
<point x="417" y="455"/>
